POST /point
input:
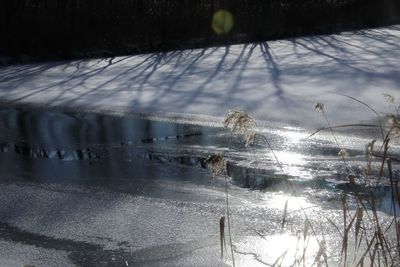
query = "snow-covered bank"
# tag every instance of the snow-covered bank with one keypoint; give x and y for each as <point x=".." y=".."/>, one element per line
<point x="274" y="81"/>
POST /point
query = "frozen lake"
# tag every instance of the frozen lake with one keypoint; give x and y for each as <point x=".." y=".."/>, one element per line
<point x="92" y="189"/>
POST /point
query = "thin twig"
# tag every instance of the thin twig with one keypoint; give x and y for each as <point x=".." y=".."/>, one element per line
<point x="370" y="108"/>
<point x="229" y="220"/>
<point x="342" y="126"/>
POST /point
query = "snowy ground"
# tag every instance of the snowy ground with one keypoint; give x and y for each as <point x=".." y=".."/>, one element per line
<point x="274" y="81"/>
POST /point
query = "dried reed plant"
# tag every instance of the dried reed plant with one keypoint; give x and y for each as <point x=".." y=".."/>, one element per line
<point x="389" y="98"/>
<point x="369" y="151"/>
<point x="319" y="107"/>
<point x="217" y="165"/>
<point x="243" y="124"/>
<point x="393" y="124"/>
<point x="379" y="249"/>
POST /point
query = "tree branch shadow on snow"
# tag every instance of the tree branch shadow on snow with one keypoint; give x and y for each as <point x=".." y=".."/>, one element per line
<point x="350" y="57"/>
<point x="19" y="75"/>
<point x="273" y="69"/>
<point x="190" y="80"/>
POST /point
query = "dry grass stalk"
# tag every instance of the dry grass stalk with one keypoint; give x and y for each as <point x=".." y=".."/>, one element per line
<point x="379" y="233"/>
<point x="345" y="229"/>
<point x="352" y="179"/>
<point x="379" y="249"/>
<point x="385" y="156"/>
<point x="393" y="124"/>
<point x="359" y="219"/>
<point x="306" y="229"/>
<point x="222" y="235"/>
<point x="398" y="230"/>
<point x="376" y="247"/>
<point x="370" y="108"/>
<point x="344" y="207"/>
<point x="342" y="126"/>
<point x="280" y="258"/>
<point x="389" y="98"/>
<point x="343" y="153"/>
<point x="243" y="124"/>
<point x="369" y="150"/>
<point x="321" y="256"/>
<point x="346" y="237"/>
<point x="367" y="251"/>
<point x="307" y="226"/>
<point x="319" y="107"/>
<point x="216" y="164"/>
<point x="284" y="214"/>
<point x="395" y="197"/>
<point x="334" y="225"/>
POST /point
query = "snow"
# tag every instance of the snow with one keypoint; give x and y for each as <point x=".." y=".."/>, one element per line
<point x="273" y="81"/>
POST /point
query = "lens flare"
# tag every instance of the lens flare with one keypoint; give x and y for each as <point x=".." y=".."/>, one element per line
<point x="222" y="22"/>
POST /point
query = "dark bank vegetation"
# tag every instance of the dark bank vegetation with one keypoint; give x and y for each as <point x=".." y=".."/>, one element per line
<point x="57" y="29"/>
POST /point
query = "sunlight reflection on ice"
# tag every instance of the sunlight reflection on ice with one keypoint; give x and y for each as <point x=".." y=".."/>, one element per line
<point x="277" y="201"/>
<point x="283" y="250"/>
<point x="294" y="135"/>
<point x="294" y="164"/>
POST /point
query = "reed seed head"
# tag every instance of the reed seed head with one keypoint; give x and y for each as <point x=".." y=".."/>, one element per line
<point x="319" y="107"/>
<point x="369" y="149"/>
<point x="393" y="122"/>
<point x="389" y="98"/>
<point x="241" y="123"/>
<point x="216" y="164"/>
<point x="343" y="153"/>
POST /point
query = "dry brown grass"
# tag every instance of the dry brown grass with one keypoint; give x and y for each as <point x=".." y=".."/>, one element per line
<point x="243" y="124"/>
<point x="217" y="165"/>
<point x="373" y="245"/>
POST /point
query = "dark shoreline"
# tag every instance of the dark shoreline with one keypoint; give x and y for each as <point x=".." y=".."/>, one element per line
<point x="58" y="30"/>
